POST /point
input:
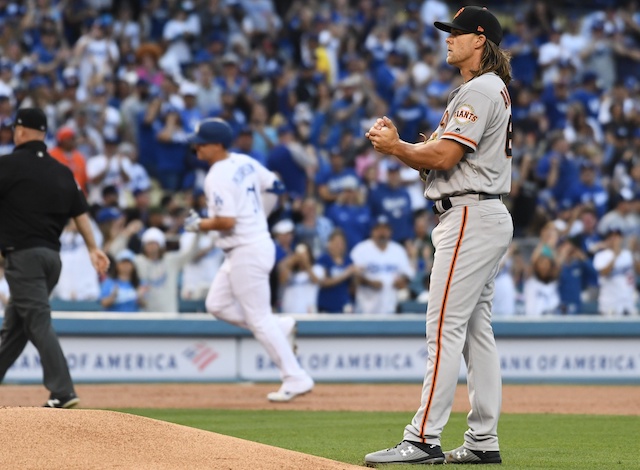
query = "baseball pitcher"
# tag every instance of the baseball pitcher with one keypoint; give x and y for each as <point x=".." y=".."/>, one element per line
<point x="466" y="165"/>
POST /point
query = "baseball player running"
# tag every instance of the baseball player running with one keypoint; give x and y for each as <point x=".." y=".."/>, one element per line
<point x="239" y="293"/>
<point x="466" y="165"/>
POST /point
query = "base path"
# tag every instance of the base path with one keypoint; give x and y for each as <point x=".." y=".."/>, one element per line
<point x="572" y="399"/>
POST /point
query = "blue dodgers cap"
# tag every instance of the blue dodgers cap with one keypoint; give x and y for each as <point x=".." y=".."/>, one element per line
<point x="212" y="131"/>
<point x="107" y="214"/>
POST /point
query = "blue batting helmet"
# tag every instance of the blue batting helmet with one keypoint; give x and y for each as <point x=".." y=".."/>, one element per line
<point x="212" y="131"/>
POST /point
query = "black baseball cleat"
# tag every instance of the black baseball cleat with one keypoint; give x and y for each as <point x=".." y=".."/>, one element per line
<point x="463" y="455"/>
<point x="407" y="452"/>
<point x="68" y="401"/>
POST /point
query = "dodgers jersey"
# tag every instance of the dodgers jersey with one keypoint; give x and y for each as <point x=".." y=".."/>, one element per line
<point x="234" y="189"/>
<point x="478" y="115"/>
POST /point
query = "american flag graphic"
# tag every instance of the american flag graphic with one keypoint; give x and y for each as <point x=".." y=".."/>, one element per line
<point x="201" y="355"/>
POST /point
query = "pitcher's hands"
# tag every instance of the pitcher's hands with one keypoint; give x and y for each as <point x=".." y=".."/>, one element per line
<point x="383" y="135"/>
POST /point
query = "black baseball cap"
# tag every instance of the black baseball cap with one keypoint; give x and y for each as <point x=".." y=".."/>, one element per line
<point x="33" y="118"/>
<point x="476" y="20"/>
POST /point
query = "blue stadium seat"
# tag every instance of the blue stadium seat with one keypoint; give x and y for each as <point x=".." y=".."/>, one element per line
<point x="411" y="306"/>
<point x="191" y="306"/>
<point x="75" y="305"/>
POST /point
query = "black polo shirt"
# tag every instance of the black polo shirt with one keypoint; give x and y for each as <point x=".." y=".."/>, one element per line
<point x="38" y="195"/>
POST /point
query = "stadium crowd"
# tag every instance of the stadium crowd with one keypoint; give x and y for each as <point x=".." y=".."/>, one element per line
<point x="124" y="82"/>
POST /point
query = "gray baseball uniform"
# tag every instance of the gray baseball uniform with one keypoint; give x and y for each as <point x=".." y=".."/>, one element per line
<point x="474" y="232"/>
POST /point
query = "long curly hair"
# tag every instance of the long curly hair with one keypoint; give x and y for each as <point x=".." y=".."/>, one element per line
<point x="495" y="60"/>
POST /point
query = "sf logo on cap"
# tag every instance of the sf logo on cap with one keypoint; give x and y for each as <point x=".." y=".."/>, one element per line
<point x="458" y="14"/>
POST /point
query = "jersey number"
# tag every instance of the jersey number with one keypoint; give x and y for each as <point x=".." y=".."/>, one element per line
<point x="509" y="142"/>
<point x="256" y="201"/>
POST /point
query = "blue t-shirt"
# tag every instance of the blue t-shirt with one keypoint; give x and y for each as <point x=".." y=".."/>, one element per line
<point x="127" y="298"/>
<point x="574" y="277"/>
<point x="355" y="222"/>
<point x="292" y="175"/>
<point x="333" y="299"/>
<point x="334" y="181"/>
<point x="396" y="205"/>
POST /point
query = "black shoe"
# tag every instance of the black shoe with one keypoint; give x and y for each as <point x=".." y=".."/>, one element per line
<point x="464" y="455"/>
<point x="68" y="401"/>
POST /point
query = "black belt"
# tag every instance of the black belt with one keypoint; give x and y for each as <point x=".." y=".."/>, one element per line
<point x="447" y="204"/>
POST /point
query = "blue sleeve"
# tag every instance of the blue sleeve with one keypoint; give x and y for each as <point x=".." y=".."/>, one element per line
<point x="106" y="287"/>
<point x="543" y="167"/>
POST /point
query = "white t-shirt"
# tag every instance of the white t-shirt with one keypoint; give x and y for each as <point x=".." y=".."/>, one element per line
<point x="197" y="275"/>
<point x="380" y="265"/>
<point x="234" y="189"/>
<point x="617" y="290"/>
<point x="300" y="294"/>
<point x="114" y="167"/>
<point x="504" y="293"/>
<point x="78" y="279"/>
<point x="540" y="298"/>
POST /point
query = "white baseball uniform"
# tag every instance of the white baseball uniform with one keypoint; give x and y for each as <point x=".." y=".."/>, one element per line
<point x="380" y="265"/>
<point x="240" y="291"/>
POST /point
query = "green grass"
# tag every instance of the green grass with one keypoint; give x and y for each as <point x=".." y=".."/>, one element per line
<point x="527" y="441"/>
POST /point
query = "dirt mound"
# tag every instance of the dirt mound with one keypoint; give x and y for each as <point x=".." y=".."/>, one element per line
<point x="46" y="439"/>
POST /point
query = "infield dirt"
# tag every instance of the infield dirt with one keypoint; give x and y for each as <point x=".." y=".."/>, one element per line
<point x="94" y="438"/>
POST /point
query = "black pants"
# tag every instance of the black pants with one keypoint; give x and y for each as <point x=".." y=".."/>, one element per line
<point x="32" y="274"/>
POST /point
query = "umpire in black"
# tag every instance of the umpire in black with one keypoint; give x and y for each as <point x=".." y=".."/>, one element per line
<point x="38" y="195"/>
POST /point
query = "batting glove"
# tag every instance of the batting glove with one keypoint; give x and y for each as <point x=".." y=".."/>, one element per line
<point x="192" y="222"/>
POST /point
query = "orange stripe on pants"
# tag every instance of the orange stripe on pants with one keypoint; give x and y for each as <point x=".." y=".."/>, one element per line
<point x="443" y="308"/>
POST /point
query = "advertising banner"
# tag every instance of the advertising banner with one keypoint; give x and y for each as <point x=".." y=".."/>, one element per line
<point x="136" y="359"/>
<point x="171" y="359"/>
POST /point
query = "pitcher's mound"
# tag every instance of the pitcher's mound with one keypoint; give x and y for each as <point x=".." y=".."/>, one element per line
<point x="46" y="439"/>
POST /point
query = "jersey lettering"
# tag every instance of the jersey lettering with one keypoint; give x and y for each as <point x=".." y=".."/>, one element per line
<point x="506" y="97"/>
<point x="242" y="172"/>
<point x="509" y="142"/>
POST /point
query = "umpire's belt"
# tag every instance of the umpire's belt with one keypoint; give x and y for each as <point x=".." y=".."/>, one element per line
<point x="442" y="205"/>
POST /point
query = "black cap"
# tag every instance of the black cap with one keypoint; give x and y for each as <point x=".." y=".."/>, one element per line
<point x="33" y="118"/>
<point x="476" y="20"/>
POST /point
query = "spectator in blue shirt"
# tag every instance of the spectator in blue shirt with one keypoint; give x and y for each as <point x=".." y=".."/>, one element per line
<point x="244" y="144"/>
<point x="588" y="94"/>
<point x="521" y="43"/>
<point x="190" y="115"/>
<point x="350" y="213"/>
<point x="410" y="114"/>
<point x="392" y="200"/>
<point x="576" y="275"/>
<point x="329" y="181"/>
<point x="290" y="162"/>
<point x="335" y="288"/>
<point x="555" y="99"/>
<point x="587" y="190"/>
<point x="558" y="169"/>
<point x="122" y="291"/>
<point x="171" y="148"/>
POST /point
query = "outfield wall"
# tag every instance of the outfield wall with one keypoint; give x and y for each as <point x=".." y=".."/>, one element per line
<point x="107" y="347"/>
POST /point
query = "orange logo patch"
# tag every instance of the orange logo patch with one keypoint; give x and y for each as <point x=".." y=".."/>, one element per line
<point x="465" y="114"/>
<point x="458" y="14"/>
